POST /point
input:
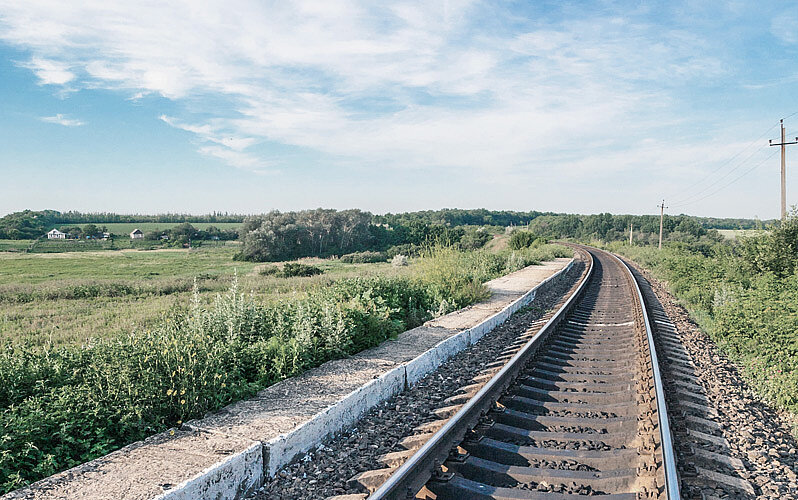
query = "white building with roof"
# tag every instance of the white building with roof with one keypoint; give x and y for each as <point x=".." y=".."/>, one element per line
<point x="55" y="234"/>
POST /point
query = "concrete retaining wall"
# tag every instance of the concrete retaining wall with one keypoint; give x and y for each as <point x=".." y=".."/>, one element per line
<point x="283" y="449"/>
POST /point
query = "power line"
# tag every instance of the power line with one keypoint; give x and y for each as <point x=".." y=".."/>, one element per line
<point x="686" y="199"/>
<point x="707" y="176"/>
<point x="732" y="181"/>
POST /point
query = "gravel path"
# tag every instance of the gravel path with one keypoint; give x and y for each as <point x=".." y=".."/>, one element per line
<point x="325" y="471"/>
<point x="758" y="435"/>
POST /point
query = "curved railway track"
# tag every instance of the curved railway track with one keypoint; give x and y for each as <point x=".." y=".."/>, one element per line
<point x="577" y="410"/>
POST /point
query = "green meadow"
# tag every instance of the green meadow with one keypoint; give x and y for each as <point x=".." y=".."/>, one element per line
<point x="70" y="297"/>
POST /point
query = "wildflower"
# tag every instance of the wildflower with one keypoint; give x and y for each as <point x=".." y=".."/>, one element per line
<point x="169" y="392"/>
<point x="182" y="401"/>
<point x="182" y="392"/>
<point x="172" y="432"/>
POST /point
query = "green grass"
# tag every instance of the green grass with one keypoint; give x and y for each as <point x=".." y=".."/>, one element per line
<point x="733" y="234"/>
<point x="68" y="298"/>
<point x="14" y="245"/>
<point x="154" y="265"/>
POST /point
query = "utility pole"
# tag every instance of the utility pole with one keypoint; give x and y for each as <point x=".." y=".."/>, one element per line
<point x="783" y="145"/>
<point x="662" y="208"/>
<point x="630" y="234"/>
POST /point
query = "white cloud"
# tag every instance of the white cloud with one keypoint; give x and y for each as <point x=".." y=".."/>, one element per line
<point x="50" y="72"/>
<point x="235" y="158"/>
<point x="418" y="83"/>
<point x="60" y="119"/>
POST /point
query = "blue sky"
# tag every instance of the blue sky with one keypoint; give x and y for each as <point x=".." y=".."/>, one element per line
<point x="249" y="106"/>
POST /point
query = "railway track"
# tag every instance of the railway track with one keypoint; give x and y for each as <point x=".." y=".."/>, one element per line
<point x="577" y="408"/>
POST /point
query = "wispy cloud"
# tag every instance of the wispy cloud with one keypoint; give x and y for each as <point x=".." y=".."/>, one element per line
<point x="423" y="84"/>
<point x="60" y="119"/>
<point x="50" y="72"/>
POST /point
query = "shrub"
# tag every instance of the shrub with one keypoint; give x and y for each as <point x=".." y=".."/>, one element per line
<point x="408" y="249"/>
<point x="364" y="257"/>
<point x="291" y="269"/>
<point x="269" y="271"/>
<point x="522" y="239"/>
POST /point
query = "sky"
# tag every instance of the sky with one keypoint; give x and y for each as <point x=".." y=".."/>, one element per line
<point x="249" y="106"/>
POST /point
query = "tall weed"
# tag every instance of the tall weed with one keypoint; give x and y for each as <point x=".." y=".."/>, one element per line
<point x="63" y="405"/>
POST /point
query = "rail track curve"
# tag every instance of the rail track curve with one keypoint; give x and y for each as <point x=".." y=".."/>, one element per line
<point x="577" y="410"/>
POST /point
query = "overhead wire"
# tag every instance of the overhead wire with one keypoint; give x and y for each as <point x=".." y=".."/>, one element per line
<point x="695" y="197"/>
<point x="685" y="199"/>
<point x="732" y="158"/>
<point x="771" y="155"/>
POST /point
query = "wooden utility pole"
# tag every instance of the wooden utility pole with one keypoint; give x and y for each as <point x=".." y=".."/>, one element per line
<point x="630" y="234"/>
<point x="783" y="145"/>
<point x="662" y="208"/>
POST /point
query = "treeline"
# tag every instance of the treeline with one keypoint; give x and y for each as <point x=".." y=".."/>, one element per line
<point x="279" y="236"/>
<point x="73" y="217"/>
<point x="330" y="232"/>
<point x="461" y="217"/>
<point x="323" y="232"/>
<point x="645" y="228"/>
<point x="30" y="224"/>
<point x="185" y="233"/>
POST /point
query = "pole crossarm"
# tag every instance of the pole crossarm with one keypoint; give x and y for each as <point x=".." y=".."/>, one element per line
<point x="783" y="145"/>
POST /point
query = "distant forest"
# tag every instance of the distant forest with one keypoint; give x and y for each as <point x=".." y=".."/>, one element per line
<point x="323" y="232"/>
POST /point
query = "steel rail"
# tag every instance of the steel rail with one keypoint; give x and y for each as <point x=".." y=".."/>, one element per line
<point x="418" y="469"/>
<point x="666" y="438"/>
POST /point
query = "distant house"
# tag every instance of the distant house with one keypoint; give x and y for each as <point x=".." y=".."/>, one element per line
<point x="136" y="234"/>
<point x="55" y="234"/>
<point x="106" y="236"/>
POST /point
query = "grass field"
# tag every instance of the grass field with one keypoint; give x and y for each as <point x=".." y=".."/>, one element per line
<point x="733" y="234"/>
<point x="128" y="227"/>
<point x="14" y="245"/>
<point x="70" y="297"/>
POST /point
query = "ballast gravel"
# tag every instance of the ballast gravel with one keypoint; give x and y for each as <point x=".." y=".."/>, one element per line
<point x="324" y="472"/>
<point x="758" y="434"/>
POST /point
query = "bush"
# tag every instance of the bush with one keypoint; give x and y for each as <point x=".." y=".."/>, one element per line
<point x="745" y="297"/>
<point x="364" y="257"/>
<point x="291" y="269"/>
<point x="270" y="271"/>
<point x="522" y="239"/>
<point x="408" y="249"/>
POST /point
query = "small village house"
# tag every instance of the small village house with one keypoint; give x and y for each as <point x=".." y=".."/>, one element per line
<point x="136" y="234"/>
<point x="55" y="234"/>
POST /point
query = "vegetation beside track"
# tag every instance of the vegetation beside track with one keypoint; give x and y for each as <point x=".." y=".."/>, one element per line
<point x="66" y="404"/>
<point x="744" y="294"/>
